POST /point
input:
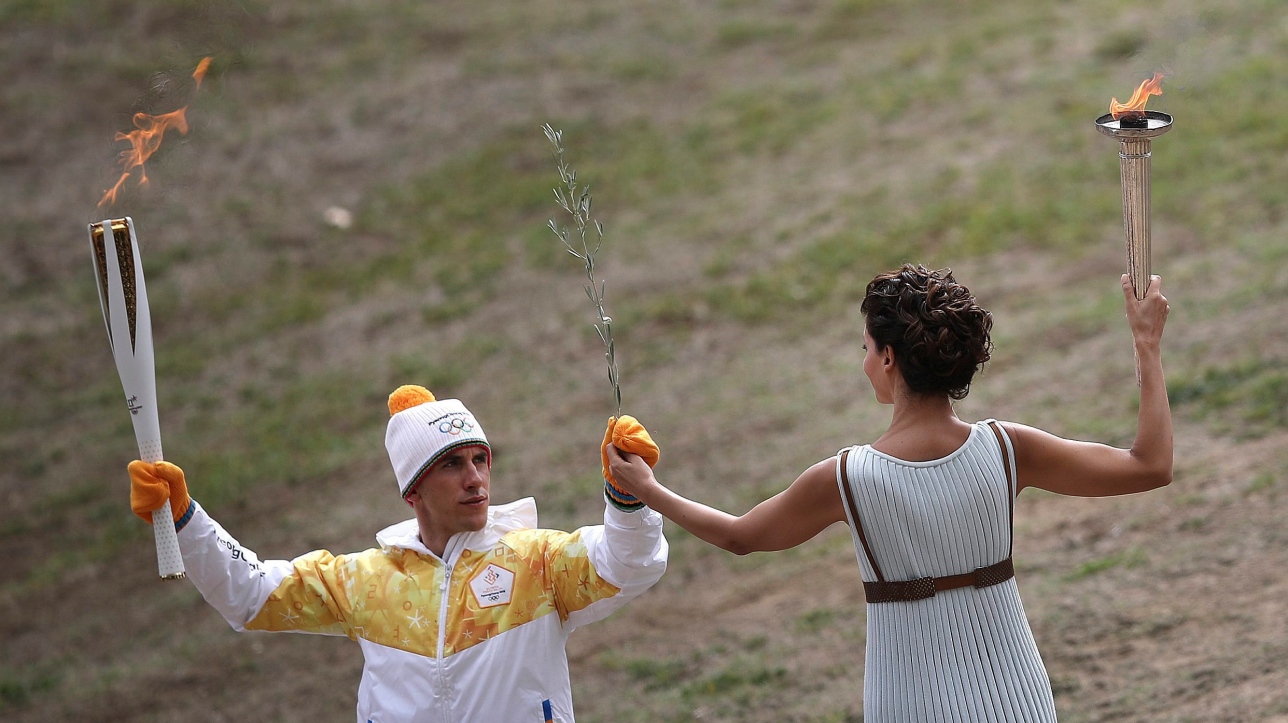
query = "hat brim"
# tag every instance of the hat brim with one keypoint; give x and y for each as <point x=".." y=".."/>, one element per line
<point x="429" y="463"/>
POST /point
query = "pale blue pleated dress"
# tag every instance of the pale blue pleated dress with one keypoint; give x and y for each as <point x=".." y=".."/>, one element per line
<point x="964" y="655"/>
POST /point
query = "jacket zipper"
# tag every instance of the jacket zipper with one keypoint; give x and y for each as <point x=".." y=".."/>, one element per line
<point x="442" y="629"/>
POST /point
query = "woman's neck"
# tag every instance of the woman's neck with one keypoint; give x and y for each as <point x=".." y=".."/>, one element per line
<point x="915" y="410"/>
<point x="922" y="428"/>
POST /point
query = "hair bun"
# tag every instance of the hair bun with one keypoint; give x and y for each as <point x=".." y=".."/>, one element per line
<point x="939" y="333"/>
<point x="408" y="396"/>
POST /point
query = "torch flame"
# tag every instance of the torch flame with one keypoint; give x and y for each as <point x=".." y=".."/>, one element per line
<point x="1153" y="86"/>
<point x="146" y="137"/>
<point x="200" y="73"/>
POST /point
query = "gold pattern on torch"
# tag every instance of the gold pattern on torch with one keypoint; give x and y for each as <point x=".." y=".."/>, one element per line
<point x="392" y="597"/>
<point x="125" y="259"/>
<point x="100" y="264"/>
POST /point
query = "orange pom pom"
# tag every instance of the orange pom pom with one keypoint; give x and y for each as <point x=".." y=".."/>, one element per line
<point x="408" y="396"/>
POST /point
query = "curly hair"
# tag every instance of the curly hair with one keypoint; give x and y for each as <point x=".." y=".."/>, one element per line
<point x="939" y="334"/>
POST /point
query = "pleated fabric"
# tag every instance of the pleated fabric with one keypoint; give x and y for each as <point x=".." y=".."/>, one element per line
<point x="964" y="655"/>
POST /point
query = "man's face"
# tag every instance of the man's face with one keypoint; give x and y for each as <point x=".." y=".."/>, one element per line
<point x="452" y="497"/>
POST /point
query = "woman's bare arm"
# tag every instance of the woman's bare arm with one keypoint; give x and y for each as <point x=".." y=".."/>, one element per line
<point x="1087" y="469"/>
<point x="798" y="513"/>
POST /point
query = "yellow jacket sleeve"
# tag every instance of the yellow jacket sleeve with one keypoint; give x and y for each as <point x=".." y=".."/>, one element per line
<point x="313" y="598"/>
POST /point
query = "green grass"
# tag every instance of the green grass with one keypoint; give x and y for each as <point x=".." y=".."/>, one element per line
<point x="1065" y="204"/>
<point x="1264" y="482"/>
<point x="20" y="688"/>
<point x="657" y="674"/>
<point x="815" y="620"/>
<point x="738" y="685"/>
<point x="1008" y="208"/>
<point x="1248" y="398"/>
<point x="740" y="32"/>
<point x="1127" y="558"/>
<point x="288" y="432"/>
<point x="1121" y="44"/>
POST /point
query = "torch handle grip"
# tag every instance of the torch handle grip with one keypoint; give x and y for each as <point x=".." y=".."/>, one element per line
<point x="169" y="559"/>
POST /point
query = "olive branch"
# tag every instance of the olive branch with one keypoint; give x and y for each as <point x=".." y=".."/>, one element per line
<point x="576" y="202"/>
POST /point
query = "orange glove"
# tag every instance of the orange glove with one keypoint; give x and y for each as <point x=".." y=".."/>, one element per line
<point x="152" y="484"/>
<point x="627" y="435"/>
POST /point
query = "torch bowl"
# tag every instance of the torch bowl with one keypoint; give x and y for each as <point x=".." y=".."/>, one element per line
<point x="1156" y="124"/>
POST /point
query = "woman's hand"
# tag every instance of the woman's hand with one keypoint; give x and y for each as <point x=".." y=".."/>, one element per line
<point x="626" y="435"/>
<point x="1146" y="316"/>
<point x="631" y="472"/>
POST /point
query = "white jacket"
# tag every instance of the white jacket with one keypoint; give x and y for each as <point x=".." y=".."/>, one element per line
<point x="476" y="636"/>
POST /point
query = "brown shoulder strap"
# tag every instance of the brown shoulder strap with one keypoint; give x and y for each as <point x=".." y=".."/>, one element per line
<point x="1010" y="483"/>
<point x="854" y="513"/>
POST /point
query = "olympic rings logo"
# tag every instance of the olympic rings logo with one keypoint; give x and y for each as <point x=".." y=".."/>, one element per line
<point x="456" y="426"/>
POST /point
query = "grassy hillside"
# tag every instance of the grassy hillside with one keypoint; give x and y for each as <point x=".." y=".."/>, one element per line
<point x="755" y="163"/>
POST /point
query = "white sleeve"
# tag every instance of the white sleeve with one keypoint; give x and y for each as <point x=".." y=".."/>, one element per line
<point x="629" y="551"/>
<point x="230" y="577"/>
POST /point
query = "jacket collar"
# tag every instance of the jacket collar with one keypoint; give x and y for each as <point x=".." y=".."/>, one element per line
<point x="501" y="519"/>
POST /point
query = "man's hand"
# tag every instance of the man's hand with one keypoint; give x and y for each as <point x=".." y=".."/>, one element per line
<point x="152" y="484"/>
<point x="626" y="435"/>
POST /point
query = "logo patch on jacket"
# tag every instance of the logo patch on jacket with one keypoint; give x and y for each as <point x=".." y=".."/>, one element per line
<point x="492" y="586"/>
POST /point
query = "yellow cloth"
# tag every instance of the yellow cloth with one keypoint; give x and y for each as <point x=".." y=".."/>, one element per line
<point x="627" y="435"/>
<point x="152" y="484"/>
<point x="383" y="595"/>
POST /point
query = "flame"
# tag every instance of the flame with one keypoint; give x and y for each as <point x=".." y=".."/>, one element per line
<point x="146" y="138"/>
<point x="1153" y="86"/>
<point x="200" y="73"/>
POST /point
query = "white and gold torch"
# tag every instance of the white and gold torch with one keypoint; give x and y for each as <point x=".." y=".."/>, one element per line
<point x="123" y="297"/>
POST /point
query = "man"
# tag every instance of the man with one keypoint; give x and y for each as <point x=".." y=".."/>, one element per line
<point x="463" y="612"/>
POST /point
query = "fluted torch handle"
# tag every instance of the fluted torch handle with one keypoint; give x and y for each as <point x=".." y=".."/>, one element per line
<point x="1133" y="164"/>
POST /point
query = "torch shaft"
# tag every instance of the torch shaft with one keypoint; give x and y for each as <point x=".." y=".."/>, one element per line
<point x="1133" y="163"/>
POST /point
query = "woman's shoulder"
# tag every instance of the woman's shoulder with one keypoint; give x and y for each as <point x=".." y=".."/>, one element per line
<point x="1014" y="432"/>
<point x="1010" y="430"/>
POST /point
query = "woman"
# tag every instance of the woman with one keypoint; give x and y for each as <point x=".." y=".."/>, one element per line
<point x="930" y="504"/>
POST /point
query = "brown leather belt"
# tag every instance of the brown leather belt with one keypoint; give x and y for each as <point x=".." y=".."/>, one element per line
<point x="883" y="591"/>
<point x="924" y="587"/>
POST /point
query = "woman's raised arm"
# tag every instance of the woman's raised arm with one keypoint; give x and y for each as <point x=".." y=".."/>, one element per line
<point x="1087" y="469"/>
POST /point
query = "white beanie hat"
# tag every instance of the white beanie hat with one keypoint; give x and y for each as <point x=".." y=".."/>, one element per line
<point x="422" y="429"/>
